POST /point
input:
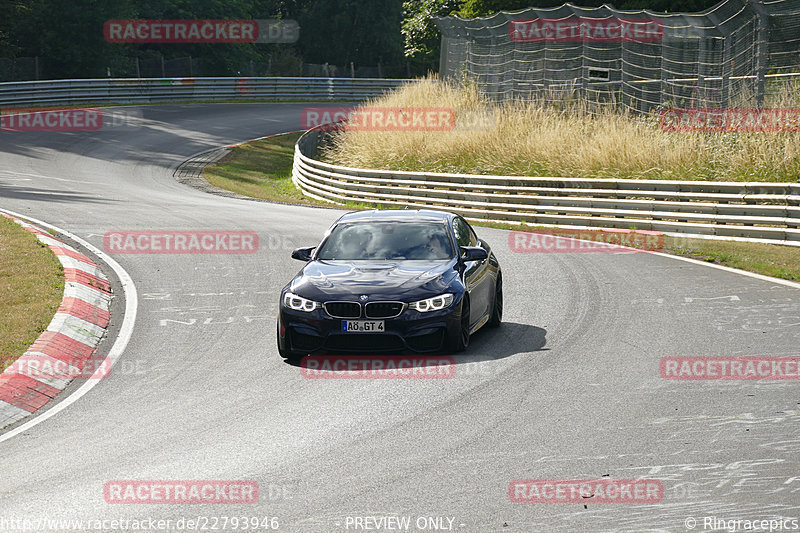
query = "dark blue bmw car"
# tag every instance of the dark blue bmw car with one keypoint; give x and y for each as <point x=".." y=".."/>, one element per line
<point x="391" y="281"/>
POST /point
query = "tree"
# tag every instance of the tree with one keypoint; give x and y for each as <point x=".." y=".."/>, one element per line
<point x="68" y="36"/>
<point x="341" y="31"/>
<point x="420" y="35"/>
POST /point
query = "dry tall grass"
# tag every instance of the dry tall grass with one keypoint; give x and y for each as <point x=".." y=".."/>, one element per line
<point x="568" y="139"/>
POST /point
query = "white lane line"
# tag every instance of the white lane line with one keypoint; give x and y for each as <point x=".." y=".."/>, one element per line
<point x="762" y="277"/>
<point x="125" y="332"/>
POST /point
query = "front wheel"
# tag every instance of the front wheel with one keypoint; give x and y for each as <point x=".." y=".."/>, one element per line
<point x="497" y="307"/>
<point x="459" y="341"/>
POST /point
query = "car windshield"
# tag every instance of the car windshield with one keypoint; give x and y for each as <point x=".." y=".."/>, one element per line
<point x="387" y="241"/>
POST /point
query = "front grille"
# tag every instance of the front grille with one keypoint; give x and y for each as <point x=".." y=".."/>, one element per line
<point x="366" y="342"/>
<point x="383" y="309"/>
<point x="343" y="309"/>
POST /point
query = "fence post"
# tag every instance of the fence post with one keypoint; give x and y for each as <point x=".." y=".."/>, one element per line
<point x="727" y="70"/>
<point x="584" y="72"/>
<point x="701" y="69"/>
<point x="624" y="75"/>
<point x="761" y="49"/>
<point x="664" y="98"/>
<point x="36" y="66"/>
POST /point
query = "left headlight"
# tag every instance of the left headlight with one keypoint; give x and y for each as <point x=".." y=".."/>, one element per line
<point x="298" y="303"/>
<point x="437" y="303"/>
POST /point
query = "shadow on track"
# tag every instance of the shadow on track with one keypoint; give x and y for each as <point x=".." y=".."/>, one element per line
<point x="485" y="345"/>
<point x="44" y="195"/>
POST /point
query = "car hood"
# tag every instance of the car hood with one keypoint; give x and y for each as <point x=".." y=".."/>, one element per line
<point x="347" y="280"/>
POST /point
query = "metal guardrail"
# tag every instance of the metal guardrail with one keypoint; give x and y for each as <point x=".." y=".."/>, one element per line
<point x="138" y="91"/>
<point x="747" y="210"/>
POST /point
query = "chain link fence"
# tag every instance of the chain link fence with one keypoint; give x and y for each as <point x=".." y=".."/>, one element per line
<point x="738" y="53"/>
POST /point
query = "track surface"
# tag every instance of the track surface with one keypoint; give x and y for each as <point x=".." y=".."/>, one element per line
<point x="568" y="388"/>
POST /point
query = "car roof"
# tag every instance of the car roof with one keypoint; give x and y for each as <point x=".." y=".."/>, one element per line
<point x="398" y="215"/>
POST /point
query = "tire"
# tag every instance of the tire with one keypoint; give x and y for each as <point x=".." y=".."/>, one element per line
<point x="497" y="304"/>
<point x="460" y="342"/>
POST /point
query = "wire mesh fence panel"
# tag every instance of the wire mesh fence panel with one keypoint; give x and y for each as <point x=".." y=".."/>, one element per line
<point x="738" y="53"/>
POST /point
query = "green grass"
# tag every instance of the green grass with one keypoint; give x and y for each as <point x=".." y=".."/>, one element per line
<point x="32" y="285"/>
<point x="768" y="259"/>
<point x="262" y="169"/>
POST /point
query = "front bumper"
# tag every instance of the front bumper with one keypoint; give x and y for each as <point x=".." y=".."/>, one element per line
<point x="410" y="331"/>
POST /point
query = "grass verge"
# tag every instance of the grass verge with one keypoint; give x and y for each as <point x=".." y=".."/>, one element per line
<point x="32" y="285"/>
<point x="262" y="169"/>
<point x="767" y="259"/>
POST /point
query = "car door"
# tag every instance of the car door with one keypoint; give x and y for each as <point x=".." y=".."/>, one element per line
<point x="477" y="276"/>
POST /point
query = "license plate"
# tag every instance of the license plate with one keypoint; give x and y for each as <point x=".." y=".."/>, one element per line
<point x="362" y="326"/>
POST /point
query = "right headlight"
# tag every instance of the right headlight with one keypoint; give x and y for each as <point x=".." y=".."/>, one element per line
<point x="437" y="303"/>
<point x="298" y="303"/>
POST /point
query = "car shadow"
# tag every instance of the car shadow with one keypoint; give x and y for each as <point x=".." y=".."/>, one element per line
<point x="511" y="338"/>
<point x="486" y="344"/>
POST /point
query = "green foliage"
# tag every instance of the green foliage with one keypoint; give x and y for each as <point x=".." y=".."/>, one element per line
<point x="341" y="31"/>
<point x="67" y="35"/>
<point x="420" y="35"/>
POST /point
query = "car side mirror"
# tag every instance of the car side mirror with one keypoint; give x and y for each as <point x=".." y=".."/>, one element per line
<point x="473" y="253"/>
<point x="303" y="254"/>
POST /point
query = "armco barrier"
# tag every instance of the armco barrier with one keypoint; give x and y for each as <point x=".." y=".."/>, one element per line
<point x="745" y="210"/>
<point x="143" y="91"/>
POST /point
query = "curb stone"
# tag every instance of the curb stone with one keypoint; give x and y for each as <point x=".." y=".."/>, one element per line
<point x="62" y="351"/>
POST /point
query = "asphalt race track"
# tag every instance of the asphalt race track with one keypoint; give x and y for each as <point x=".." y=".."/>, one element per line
<point x="567" y="389"/>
